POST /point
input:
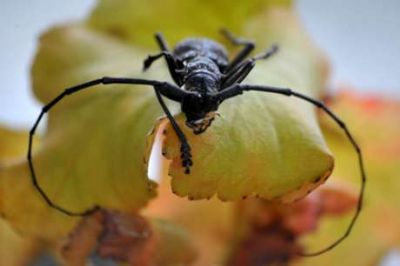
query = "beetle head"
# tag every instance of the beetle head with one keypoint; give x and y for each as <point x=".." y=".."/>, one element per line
<point x="200" y="109"/>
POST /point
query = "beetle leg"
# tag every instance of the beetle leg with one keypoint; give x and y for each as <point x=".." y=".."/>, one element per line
<point x="247" y="49"/>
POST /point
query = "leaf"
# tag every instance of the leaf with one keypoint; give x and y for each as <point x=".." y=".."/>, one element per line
<point x="174" y="246"/>
<point x="262" y="144"/>
<point x="210" y="223"/>
<point x="136" y="21"/>
<point x="269" y="233"/>
<point x="15" y="250"/>
<point x="13" y="144"/>
<point x="378" y="229"/>
<point x="73" y="162"/>
<point x="92" y="151"/>
<point x="128" y="238"/>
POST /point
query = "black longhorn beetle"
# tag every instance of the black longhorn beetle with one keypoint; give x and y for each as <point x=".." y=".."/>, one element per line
<point x="204" y="78"/>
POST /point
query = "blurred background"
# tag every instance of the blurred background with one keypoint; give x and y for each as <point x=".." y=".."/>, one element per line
<point x="361" y="39"/>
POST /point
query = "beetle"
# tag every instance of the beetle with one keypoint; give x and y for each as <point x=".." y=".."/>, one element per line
<point x="204" y="78"/>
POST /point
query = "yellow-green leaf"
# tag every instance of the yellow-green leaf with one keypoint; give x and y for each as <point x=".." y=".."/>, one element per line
<point x="92" y="151"/>
<point x="15" y="250"/>
<point x="261" y="144"/>
<point x="378" y="229"/>
<point x="136" y="21"/>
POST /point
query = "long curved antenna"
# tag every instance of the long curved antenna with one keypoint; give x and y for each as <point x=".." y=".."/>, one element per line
<point x="167" y="89"/>
<point x="239" y="88"/>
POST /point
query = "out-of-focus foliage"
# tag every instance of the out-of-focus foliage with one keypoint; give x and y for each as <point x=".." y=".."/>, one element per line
<point x="269" y="233"/>
<point x="375" y="123"/>
<point x="127" y="238"/>
<point x="15" y="249"/>
<point x="135" y="21"/>
<point x="210" y="223"/>
<point x="92" y="151"/>
<point x="13" y="144"/>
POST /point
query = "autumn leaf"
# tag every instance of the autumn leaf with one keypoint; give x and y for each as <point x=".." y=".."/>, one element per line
<point x="15" y="249"/>
<point x="73" y="162"/>
<point x="377" y="230"/>
<point x="136" y="21"/>
<point x="269" y="233"/>
<point x="127" y="238"/>
<point x="93" y="148"/>
<point x="261" y="144"/>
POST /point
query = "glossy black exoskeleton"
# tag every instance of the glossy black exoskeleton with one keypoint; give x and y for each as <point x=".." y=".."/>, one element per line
<point x="201" y="66"/>
<point x="202" y="63"/>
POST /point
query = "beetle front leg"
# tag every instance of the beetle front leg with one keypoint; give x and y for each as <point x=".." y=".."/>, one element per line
<point x="185" y="149"/>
